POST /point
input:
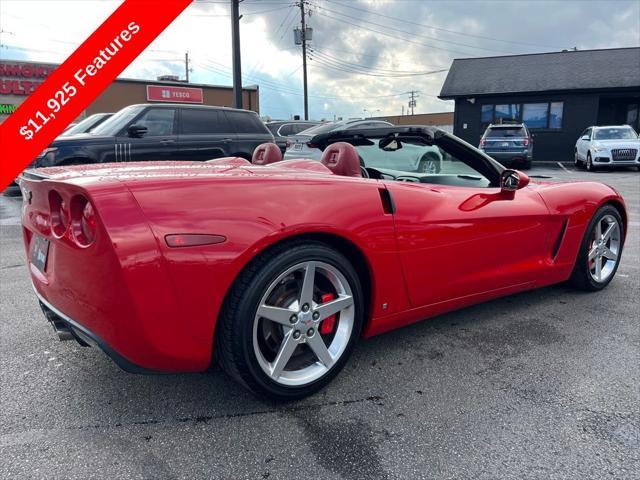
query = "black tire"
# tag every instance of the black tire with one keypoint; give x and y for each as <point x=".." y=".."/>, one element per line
<point x="589" y="165"/>
<point x="429" y="163"/>
<point x="581" y="277"/>
<point x="526" y="165"/>
<point x="576" y="160"/>
<point x="234" y="334"/>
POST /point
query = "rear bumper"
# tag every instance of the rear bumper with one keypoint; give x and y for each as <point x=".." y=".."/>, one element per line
<point x="86" y="337"/>
<point x="511" y="156"/>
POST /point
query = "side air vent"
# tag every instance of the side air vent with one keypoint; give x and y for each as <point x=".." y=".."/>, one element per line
<point x="388" y="205"/>
<point x="558" y="242"/>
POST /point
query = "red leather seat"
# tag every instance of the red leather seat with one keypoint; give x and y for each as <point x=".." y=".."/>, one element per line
<point x="266" y="153"/>
<point x="342" y="159"/>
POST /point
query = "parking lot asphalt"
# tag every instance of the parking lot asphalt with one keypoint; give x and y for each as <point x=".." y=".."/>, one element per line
<point x="544" y="384"/>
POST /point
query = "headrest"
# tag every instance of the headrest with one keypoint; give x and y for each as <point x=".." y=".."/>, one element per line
<point x="342" y="159"/>
<point x="266" y="153"/>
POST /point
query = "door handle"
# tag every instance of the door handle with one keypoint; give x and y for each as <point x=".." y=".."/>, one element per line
<point x="167" y="141"/>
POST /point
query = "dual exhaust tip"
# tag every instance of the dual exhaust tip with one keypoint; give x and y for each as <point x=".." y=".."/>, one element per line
<point x="64" y="331"/>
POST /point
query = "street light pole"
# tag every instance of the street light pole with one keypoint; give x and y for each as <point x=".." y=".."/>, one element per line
<point x="235" y="47"/>
<point x="304" y="60"/>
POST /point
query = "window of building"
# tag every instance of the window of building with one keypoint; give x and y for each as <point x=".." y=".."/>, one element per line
<point x="533" y="115"/>
<point x="507" y="113"/>
<point x="555" y="114"/>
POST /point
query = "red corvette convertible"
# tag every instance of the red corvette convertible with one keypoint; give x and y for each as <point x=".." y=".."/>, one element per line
<point x="276" y="268"/>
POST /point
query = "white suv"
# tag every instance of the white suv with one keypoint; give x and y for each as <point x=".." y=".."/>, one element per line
<point x="613" y="146"/>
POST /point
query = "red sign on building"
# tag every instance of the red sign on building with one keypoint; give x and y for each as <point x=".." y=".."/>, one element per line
<point x="163" y="93"/>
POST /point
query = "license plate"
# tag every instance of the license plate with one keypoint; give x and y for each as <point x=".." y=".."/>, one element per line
<point x="504" y="144"/>
<point x="297" y="146"/>
<point x="39" y="252"/>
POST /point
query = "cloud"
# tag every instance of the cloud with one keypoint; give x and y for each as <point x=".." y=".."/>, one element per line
<point x="351" y="38"/>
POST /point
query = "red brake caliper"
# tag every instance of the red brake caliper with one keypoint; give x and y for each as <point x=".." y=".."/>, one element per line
<point x="326" y="327"/>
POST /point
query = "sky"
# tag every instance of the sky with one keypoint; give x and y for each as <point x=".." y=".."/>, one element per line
<point x="365" y="55"/>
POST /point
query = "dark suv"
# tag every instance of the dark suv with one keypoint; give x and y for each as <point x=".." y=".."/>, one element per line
<point x="508" y="144"/>
<point x="162" y="132"/>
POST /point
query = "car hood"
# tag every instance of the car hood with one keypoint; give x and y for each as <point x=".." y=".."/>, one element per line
<point x="617" y="143"/>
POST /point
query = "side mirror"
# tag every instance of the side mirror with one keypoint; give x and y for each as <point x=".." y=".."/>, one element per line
<point x="585" y="137"/>
<point x="512" y="180"/>
<point x="137" y="131"/>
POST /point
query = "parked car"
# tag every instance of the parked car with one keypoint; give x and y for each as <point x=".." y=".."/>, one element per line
<point x="299" y="145"/>
<point x="511" y="145"/>
<point x="276" y="269"/>
<point x="612" y="146"/>
<point x="283" y="130"/>
<point x="86" y="125"/>
<point x="162" y="132"/>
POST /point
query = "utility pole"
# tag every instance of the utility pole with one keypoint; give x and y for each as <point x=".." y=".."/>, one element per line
<point x="304" y="60"/>
<point x="186" y="66"/>
<point x="235" y="47"/>
<point x="412" y="100"/>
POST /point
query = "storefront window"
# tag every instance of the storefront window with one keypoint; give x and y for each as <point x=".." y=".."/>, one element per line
<point x="507" y="113"/>
<point x="487" y="114"/>
<point x="535" y="115"/>
<point x="555" y="115"/>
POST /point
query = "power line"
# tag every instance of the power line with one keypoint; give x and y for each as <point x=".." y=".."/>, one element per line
<point x="495" y="39"/>
<point x="382" y="71"/>
<point x="413" y="34"/>
<point x="362" y="27"/>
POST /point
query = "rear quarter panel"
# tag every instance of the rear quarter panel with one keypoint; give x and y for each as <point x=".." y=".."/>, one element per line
<point x="254" y="215"/>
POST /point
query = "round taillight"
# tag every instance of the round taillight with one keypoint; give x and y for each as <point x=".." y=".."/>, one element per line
<point x="88" y="222"/>
<point x="59" y="214"/>
<point x="84" y="221"/>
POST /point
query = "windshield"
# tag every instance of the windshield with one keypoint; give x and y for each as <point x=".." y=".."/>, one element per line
<point x="416" y="158"/>
<point x="615" y="133"/>
<point x="118" y="121"/>
<point x="504" y="132"/>
<point x="85" y="125"/>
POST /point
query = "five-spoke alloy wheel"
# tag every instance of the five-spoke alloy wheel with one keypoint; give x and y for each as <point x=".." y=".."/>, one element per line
<point x="600" y="251"/>
<point x="291" y="320"/>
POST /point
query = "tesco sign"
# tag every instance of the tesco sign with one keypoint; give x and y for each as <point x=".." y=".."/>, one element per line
<point x="163" y="93"/>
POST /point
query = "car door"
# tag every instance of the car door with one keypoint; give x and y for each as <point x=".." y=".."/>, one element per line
<point x="205" y="134"/>
<point x="456" y="239"/>
<point x="157" y="142"/>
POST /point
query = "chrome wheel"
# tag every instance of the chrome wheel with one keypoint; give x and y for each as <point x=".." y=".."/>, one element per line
<point x="303" y="323"/>
<point x="604" y="248"/>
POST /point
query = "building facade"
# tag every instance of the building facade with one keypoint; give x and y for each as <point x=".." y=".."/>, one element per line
<point x="19" y="79"/>
<point x="557" y="95"/>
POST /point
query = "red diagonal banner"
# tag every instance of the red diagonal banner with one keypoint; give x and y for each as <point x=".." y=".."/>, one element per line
<point x="80" y="79"/>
